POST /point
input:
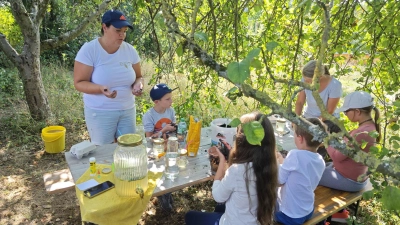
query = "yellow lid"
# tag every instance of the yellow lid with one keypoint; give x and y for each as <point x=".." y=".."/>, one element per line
<point x="131" y="140"/>
<point x="158" y="141"/>
<point x="182" y="152"/>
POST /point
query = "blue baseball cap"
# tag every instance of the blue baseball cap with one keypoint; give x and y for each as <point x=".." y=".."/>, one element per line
<point x="115" y="18"/>
<point x="158" y="91"/>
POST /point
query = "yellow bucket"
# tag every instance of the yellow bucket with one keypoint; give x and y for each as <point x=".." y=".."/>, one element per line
<point x="54" y="138"/>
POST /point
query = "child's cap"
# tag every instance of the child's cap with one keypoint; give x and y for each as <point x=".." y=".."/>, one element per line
<point x="158" y="91"/>
<point x="356" y="100"/>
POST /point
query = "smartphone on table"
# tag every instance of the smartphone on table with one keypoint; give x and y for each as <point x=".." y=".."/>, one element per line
<point x="98" y="189"/>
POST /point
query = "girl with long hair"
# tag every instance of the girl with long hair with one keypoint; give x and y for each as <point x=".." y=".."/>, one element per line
<point x="247" y="184"/>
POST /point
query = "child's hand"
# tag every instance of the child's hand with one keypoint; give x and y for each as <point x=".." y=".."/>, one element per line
<point x="220" y="155"/>
<point x="168" y="127"/>
<point x="279" y="157"/>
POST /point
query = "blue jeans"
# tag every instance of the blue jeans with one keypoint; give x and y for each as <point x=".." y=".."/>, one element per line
<point x="282" y="218"/>
<point x="205" y="218"/>
<point x="106" y="125"/>
<point x="333" y="179"/>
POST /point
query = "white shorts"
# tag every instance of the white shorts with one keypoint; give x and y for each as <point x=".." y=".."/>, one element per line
<point x="106" y="125"/>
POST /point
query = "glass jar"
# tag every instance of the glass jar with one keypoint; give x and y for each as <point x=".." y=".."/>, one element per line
<point x="130" y="166"/>
<point x="182" y="160"/>
<point x="158" y="147"/>
<point x="171" y="157"/>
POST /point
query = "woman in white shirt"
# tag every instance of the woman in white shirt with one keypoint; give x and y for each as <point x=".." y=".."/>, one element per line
<point x="247" y="185"/>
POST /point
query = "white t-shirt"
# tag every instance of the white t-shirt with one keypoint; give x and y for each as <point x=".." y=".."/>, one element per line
<point x="333" y="90"/>
<point x="240" y="208"/>
<point x="300" y="174"/>
<point x="112" y="70"/>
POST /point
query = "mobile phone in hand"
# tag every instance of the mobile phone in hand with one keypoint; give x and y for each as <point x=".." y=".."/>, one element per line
<point x="98" y="189"/>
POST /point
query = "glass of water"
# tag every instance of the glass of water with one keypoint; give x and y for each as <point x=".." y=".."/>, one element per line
<point x="140" y="131"/>
<point x="171" y="165"/>
<point x="280" y="126"/>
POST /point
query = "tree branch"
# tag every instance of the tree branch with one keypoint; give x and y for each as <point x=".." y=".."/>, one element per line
<point x="22" y="18"/>
<point x="68" y="36"/>
<point x="388" y="167"/>
<point x="194" y="16"/>
<point x="41" y="11"/>
<point x="9" y="51"/>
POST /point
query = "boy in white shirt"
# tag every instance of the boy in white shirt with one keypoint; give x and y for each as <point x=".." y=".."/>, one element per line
<point x="299" y="175"/>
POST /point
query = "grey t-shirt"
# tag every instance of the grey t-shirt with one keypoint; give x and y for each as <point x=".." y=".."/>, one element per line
<point x="154" y="121"/>
<point x="333" y="90"/>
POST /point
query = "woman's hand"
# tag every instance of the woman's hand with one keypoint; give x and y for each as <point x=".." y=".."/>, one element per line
<point x="108" y="93"/>
<point x="137" y="87"/>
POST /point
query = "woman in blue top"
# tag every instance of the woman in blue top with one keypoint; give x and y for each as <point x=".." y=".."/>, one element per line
<point x="330" y="91"/>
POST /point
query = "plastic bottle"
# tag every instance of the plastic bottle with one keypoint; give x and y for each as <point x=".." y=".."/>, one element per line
<point x="93" y="170"/>
<point x="181" y="133"/>
<point x="182" y="127"/>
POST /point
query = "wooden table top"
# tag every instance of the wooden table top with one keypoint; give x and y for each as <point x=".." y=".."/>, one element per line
<point x="197" y="171"/>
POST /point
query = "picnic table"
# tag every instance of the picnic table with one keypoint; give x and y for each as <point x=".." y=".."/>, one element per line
<point x="197" y="171"/>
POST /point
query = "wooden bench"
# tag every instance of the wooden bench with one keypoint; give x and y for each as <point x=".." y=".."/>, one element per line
<point x="58" y="181"/>
<point x="329" y="201"/>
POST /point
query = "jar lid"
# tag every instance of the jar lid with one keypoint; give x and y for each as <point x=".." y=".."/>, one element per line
<point x="182" y="152"/>
<point x="158" y="141"/>
<point x="172" y="139"/>
<point x="131" y="140"/>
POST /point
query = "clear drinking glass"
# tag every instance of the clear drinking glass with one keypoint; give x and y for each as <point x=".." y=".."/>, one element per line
<point x="140" y="131"/>
<point x="280" y="126"/>
<point x="171" y="165"/>
<point x="182" y="159"/>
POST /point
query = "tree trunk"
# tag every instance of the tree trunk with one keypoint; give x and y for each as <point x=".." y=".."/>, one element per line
<point x="30" y="74"/>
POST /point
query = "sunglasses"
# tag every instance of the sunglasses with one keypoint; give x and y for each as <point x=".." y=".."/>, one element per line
<point x="347" y="111"/>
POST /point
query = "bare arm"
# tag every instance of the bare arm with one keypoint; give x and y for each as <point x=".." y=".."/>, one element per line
<point x="82" y="76"/>
<point x="221" y="166"/>
<point x="82" y="83"/>
<point x="137" y="87"/>
<point x="332" y="104"/>
<point x="301" y="99"/>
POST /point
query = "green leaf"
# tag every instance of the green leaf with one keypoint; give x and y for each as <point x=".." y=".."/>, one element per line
<point x="235" y="122"/>
<point x="373" y="134"/>
<point x="374" y="150"/>
<point x="395" y="127"/>
<point x="390" y="198"/>
<point x="254" y="132"/>
<point x="256" y="64"/>
<point x="233" y="93"/>
<point x="201" y="36"/>
<point x="179" y="50"/>
<point x="363" y="144"/>
<point x="238" y="72"/>
<point x="397" y="103"/>
<point x="368" y="195"/>
<point x="271" y="45"/>
<point x="253" y="53"/>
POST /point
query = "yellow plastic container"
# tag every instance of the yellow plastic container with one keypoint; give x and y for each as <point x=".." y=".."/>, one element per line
<point x="54" y="138"/>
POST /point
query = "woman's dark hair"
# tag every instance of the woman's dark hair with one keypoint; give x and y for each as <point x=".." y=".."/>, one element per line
<point x="376" y="118"/>
<point x="308" y="69"/>
<point x="265" y="165"/>
<point x="107" y="25"/>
